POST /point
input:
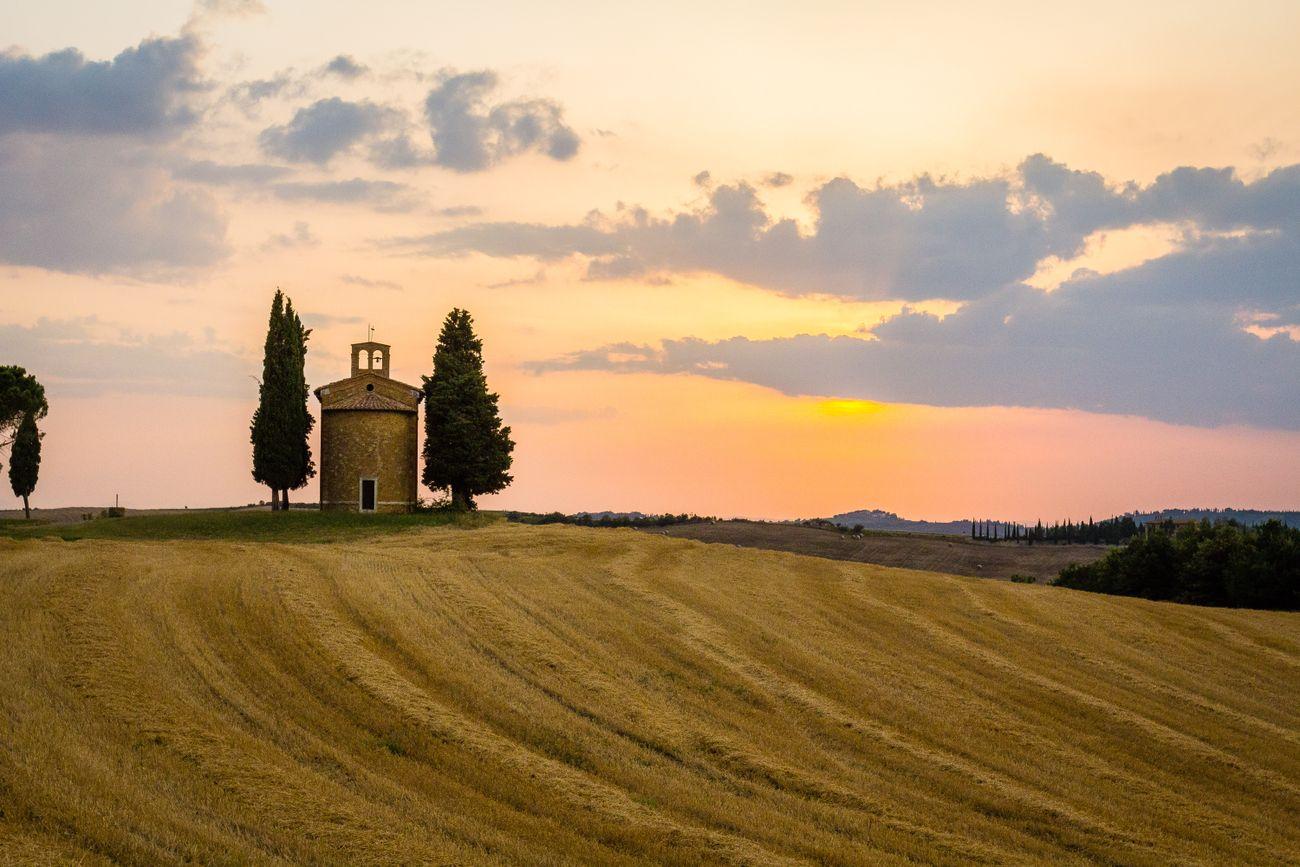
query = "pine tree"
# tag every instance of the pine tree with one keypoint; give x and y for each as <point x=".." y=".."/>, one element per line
<point x="466" y="448"/>
<point x="25" y="461"/>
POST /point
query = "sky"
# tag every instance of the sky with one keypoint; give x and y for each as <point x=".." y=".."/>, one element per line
<point x="1016" y="260"/>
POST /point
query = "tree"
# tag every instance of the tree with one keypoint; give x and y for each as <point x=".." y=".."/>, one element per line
<point x="20" y="395"/>
<point x="25" y="461"/>
<point x="466" y="448"/>
<point x="282" y="422"/>
<point x="301" y="421"/>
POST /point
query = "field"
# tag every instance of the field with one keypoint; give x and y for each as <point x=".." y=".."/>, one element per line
<point x="547" y="695"/>
<point x="955" y="555"/>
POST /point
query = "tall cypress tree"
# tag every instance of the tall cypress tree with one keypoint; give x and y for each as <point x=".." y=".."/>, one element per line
<point x="276" y="453"/>
<point x="300" y="419"/>
<point x="466" y="448"/>
<point x="25" y="461"/>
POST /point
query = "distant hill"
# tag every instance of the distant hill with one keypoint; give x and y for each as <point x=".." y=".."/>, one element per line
<point x="877" y="519"/>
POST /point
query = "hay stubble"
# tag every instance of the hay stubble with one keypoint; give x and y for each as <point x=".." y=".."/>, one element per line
<point x="550" y="695"/>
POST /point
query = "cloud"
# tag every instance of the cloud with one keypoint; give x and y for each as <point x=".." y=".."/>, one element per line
<point x="460" y="211"/>
<point x="85" y="356"/>
<point x="368" y="283"/>
<point x="778" y="179"/>
<point x="399" y="152"/>
<point x="301" y="236"/>
<point x="345" y="66"/>
<point x="71" y="204"/>
<point x="919" y="239"/>
<point x="513" y="239"/>
<point x="1136" y="342"/>
<point x="249" y="95"/>
<point x="469" y="135"/>
<point x="228" y="174"/>
<point x="326" y="128"/>
<point x="1203" y="335"/>
<point x="232" y="8"/>
<point x="381" y="195"/>
<point x="145" y="90"/>
<point x="532" y="280"/>
<point x="702" y="179"/>
<point x="328" y="320"/>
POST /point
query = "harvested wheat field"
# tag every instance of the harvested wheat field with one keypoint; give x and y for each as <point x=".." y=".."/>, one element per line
<point x="535" y="695"/>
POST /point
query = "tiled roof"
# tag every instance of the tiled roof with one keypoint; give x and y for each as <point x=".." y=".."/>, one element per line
<point x="370" y="400"/>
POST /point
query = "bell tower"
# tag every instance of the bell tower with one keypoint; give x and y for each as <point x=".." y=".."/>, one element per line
<point x="370" y="357"/>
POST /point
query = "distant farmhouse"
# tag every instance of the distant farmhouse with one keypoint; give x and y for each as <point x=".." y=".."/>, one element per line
<point x="368" y="438"/>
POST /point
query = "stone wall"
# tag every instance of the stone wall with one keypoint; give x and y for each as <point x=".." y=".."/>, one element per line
<point x="366" y="444"/>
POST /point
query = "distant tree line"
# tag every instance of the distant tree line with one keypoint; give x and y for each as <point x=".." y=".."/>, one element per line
<point x="1111" y="531"/>
<point x="22" y="404"/>
<point x="585" y="519"/>
<point x="1222" y="564"/>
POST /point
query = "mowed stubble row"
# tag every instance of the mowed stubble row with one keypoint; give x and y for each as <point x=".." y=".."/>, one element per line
<point x="537" y="695"/>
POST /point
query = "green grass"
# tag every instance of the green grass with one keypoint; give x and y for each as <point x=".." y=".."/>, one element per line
<point x="251" y="526"/>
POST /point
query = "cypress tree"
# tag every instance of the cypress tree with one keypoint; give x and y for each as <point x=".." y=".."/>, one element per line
<point x="298" y="411"/>
<point x="282" y="422"/>
<point x="466" y="448"/>
<point x="25" y="461"/>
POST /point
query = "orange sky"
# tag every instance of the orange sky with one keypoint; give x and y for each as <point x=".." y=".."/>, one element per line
<point x="149" y="365"/>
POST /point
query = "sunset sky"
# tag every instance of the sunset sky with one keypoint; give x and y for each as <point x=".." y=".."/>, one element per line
<point x="1015" y="259"/>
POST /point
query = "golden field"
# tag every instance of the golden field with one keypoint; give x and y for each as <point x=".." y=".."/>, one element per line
<point x="535" y="695"/>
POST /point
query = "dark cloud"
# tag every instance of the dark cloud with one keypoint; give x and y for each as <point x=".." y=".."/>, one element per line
<point x="778" y="179"/>
<point x="1138" y="342"/>
<point x="919" y="239"/>
<point x="470" y="135"/>
<point x="145" y="90"/>
<point x="70" y="204"/>
<point x="1192" y="367"/>
<point x="326" y="128"/>
<point x="1166" y="340"/>
<point x="228" y="174"/>
<point x="399" y="152"/>
<point x="702" y="179"/>
<point x="345" y="66"/>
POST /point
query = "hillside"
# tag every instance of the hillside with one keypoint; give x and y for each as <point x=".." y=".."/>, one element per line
<point x="889" y="522"/>
<point x="956" y="555"/>
<point x="538" y="695"/>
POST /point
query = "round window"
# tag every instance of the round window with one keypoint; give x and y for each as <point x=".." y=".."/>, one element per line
<point x="370" y="386"/>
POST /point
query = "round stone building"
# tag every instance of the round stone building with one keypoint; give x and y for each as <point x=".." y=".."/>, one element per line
<point x="369" y="437"/>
